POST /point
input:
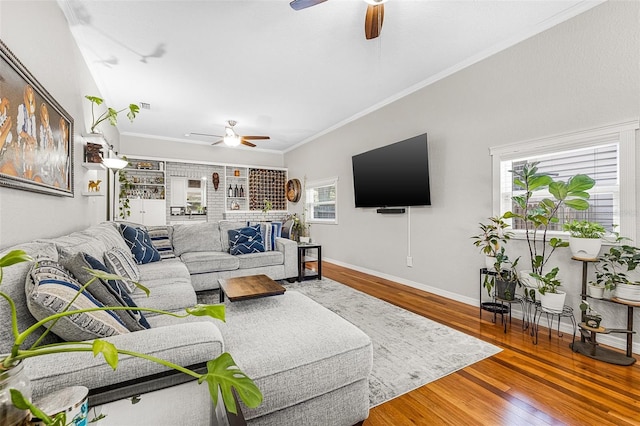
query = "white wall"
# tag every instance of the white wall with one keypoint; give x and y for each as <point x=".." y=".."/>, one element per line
<point x="160" y="148"/>
<point x="37" y="33"/>
<point x="580" y="74"/>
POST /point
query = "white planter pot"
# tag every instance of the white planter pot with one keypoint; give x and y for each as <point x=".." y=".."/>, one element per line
<point x="585" y="248"/>
<point x="553" y="302"/>
<point x="627" y="292"/>
<point x="305" y="240"/>
<point x="595" y="291"/>
<point x="489" y="262"/>
<point x="529" y="283"/>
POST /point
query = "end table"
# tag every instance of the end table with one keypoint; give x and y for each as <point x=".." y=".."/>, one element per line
<point x="303" y="274"/>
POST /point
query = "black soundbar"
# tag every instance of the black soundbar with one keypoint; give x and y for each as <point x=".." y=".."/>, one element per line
<point x="391" y="211"/>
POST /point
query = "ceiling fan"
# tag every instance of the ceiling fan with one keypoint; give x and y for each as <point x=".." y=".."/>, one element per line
<point x="231" y="138"/>
<point x="372" y="19"/>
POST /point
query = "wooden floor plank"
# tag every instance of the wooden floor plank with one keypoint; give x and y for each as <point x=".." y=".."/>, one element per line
<point x="525" y="384"/>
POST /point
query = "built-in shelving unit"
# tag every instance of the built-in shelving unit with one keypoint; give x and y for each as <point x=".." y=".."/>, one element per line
<point x="236" y="188"/>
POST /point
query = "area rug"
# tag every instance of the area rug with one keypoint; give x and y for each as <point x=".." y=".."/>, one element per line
<point x="409" y="350"/>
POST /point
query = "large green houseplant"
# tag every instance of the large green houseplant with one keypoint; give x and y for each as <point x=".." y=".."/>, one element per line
<point x="539" y="215"/>
<point x="222" y="373"/>
<point x="618" y="270"/>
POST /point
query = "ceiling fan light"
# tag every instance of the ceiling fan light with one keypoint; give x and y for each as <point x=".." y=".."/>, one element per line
<point x="231" y="140"/>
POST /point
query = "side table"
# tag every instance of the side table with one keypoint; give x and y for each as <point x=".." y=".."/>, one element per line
<point x="303" y="272"/>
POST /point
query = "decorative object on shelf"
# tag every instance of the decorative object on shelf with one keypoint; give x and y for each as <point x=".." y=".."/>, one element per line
<point x="215" y="179"/>
<point x="491" y="238"/>
<point x="591" y="317"/>
<point x="222" y="372"/>
<point x="540" y="215"/>
<point x="293" y="190"/>
<point x="268" y="206"/>
<point x="585" y="238"/>
<point x="35" y="133"/>
<point x="236" y="172"/>
<point x="110" y="114"/>
<point x="93" y="152"/>
<point x="618" y="270"/>
<point x="235" y="205"/>
<point x="94" y="186"/>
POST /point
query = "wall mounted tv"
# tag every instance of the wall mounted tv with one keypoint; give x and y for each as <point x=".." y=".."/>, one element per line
<point x="394" y="175"/>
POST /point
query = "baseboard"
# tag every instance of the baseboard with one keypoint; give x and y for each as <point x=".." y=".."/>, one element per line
<point x="609" y="340"/>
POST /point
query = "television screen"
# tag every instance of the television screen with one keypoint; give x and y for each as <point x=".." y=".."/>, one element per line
<point x="393" y="176"/>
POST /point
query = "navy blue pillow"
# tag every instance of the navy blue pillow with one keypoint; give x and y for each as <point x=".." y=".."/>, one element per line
<point x="119" y="290"/>
<point x="245" y="240"/>
<point x="140" y="244"/>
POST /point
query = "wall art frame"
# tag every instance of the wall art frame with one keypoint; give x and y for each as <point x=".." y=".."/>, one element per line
<point x="36" y="133"/>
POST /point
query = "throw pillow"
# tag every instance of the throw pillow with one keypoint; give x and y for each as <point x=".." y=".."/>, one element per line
<point x="121" y="262"/>
<point x="265" y="233"/>
<point x="160" y="239"/>
<point x="50" y="288"/>
<point x="109" y="293"/>
<point x="245" y="240"/>
<point x="276" y="232"/>
<point x="140" y="244"/>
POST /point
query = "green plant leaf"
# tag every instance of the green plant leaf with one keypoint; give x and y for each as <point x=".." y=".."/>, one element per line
<point x="96" y="100"/>
<point x="108" y="351"/>
<point x="539" y="182"/>
<point x="558" y="190"/>
<point x="580" y="183"/>
<point x="13" y="257"/>
<point x="224" y="374"/>
<point x="213" y="311"/>
<point x="577" y="204"/>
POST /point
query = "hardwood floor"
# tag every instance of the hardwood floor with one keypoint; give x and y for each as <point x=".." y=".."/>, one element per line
<point x="525" y="384"/>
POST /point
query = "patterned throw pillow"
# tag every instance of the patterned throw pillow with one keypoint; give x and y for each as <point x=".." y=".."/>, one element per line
<point x="109" y="293"/>
<point x="269" y="232"/>
<point x="50" y="288"/>
<point x="140" y="244"/>
<point x="160" y="239"/>
<point x="245" y="240"/>
<point x="121" y="262"/>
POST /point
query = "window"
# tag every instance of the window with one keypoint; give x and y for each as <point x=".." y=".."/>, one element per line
<point x="322" y="201"/>
<point x="606" y="154"/>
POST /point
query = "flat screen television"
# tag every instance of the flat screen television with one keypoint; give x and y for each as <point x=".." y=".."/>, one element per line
<point x="395" y="175"/>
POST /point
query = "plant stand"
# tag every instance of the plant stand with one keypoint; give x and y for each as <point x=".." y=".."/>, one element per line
<point x="588" y="344"/>
<point x="567" y="312"/>
<point x="507" y="308"/>
<point x="493" y="306"/>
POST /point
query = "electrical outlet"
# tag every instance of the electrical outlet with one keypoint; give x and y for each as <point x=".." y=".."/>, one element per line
<point x="409" y="261"/>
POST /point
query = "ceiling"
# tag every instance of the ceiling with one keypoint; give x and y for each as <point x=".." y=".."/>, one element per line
<point x="292" y="75"/>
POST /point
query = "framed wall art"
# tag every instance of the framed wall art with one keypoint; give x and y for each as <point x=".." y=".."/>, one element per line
<point x="36" y="145"/>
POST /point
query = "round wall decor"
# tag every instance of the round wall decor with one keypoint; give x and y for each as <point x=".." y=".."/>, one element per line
<point x="294" y="190"/>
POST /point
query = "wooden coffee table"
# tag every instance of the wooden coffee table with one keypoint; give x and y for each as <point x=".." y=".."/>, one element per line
<point x="251" y="287"/>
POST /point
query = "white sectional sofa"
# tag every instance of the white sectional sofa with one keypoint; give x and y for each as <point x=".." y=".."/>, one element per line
<point x="310" y="364"/>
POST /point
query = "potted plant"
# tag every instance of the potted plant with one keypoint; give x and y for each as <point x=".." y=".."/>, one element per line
<point x="591" y="317"/>
<point x="222" y="372"/>
<point x="110" y="114"/>
<point x="585" y="238"/>
<point x="505" y="277"/>
<point x="617" y="271"/>
<point x="539" y="215"/>
<point x="491" y="238"/>
<point x="299" y="228"/>
<point x="551" y="298"/>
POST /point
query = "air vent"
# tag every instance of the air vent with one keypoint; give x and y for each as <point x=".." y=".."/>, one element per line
<point x="145" y="105"/>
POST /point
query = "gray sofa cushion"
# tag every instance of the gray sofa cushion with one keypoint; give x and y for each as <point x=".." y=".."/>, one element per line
<point x="306" y="353"/>
<point x="257" y="260"/>
<point x="196" y="237"/>
<point x="169" y="284"/>
<point x="184" y="344"/>
<point x="209" y="261"/>
<point x="108" y="233"/>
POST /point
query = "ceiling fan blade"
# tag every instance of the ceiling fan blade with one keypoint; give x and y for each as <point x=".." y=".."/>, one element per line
<point x="303" y="4"/>
<point x="218" y="142"/>
<point x="255" y="138"/>
<point x="373" y="21"/>
<point x="205" y="134"/>
<point x="243" y="142"/>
